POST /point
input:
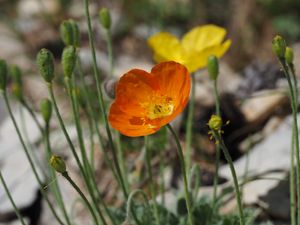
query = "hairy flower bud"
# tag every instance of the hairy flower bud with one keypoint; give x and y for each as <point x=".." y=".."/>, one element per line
<point x="69" y="33"/>
<point x="45" y="62"/>
<point x="213" y="67"/>
<point x="69" y="60"/>
<point x="278" y="46"/>
<point x="215" y="123"/>
<point x="46" y="109"/>
<point x="3" y="74"/>
<point x="58" y="164"/>
<point x="289" y="55"/>
<point x="104" y="17"/>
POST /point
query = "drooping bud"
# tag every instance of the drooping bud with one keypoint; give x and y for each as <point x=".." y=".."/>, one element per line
<point x="45" y="62"/>
<point x="69" y="60"/>
<point x="213" y="67"/>
<point x="278" y="46"/>
<point x="46" y="109"/>
<point x="16" y="74"/>
<point x="215" y="123"/>
<point x="69" y="33"/>
<point x="289" y="55"/>
<point x="3" y="74"/>
<point x="58" y="164"/>
<point x="104" y="17"/>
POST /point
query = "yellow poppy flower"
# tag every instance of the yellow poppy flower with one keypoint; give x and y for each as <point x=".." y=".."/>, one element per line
<point x="194" y="48"/>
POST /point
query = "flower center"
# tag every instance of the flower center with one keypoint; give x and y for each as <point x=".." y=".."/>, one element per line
<point x="160" y="108"/>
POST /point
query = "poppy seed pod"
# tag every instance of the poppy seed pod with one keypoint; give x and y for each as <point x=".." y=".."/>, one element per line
<point x="104" y="17"/>
<point x="46" y="109"/>
<point x="289" y="55"/>
<point x="69" y="32"/>
<point x="3" y="74"/>
<point x="213" y="67"/>
<point x="58" y="164"/>
<point x="215" y="123"/>
<point x="45" y="63"/>
<point x="279" y="46"/>
<point x="69" y="60"/>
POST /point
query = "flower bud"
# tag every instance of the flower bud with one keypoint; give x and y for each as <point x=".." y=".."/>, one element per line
<point x="16" y="90"/>
<point x="215" y="123"/>
<point x="104" y="17"/>
<point x="69" y="33"/>
<point x="58" y="164"/>
<point x="46" y="109"/>
<point x="16" y="74"/>
<point x="69" y="60"/>
<point x="3" y="74"/>
<point x="213" y="67"/>
<point x="278" y="46"/>
<point x="45" y="62"/>
<point x="289" y="55"/>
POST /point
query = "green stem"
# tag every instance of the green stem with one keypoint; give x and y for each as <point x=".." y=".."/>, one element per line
<point x="292" y="181"/>
<point x="233" y="173"/>
<point x="152" y="188"/>
<point x="195" y="171"/>
<point x="81" y="168"/>
<point x="101" y="101"/>
<point x="11" y="200"/>
<point x="68" y="178"/>
<point x="294" y="105"/>
<point x="29" y="158"/>
<point x="218" y="150"/>
<point x="25" y="104"/>
<point x="183" y="170"/>
<point x="56" y="189"/>
<point x="92" y="114"/>
<point x="30" y="147"/>
<point x="189" y="125"/>
<point x="162" y="179"/>
<point x="121" y="158"/>
<point x="110" y="51"/>
<point x="90" y="180"/>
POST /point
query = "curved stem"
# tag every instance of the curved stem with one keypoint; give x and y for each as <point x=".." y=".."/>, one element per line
<point x="195" y="171"/>
<point x="129" y="208"/>
<point x="11" y="200"/>
<point x="29" y="158"/>
<point x="183" y="170"/>
<point x="189" y="125"/>
<point x="56" y="189"/>
<point x="68" y="178"/>
<point x="152" y="188"/>
<point x="101" y="101"/>
<point x="233" y="173"/>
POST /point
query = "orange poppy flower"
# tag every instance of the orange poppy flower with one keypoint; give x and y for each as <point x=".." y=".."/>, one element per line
<point x="147" y="101"/>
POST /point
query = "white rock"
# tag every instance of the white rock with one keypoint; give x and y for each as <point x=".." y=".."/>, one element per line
<point x="14" y="164"/>
<point x="273" y="153"/>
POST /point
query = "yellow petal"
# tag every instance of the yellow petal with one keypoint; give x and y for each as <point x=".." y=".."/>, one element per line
<point x="166" y="47"/>
<point x="198" y="60"/>
<point x="202" y="37"/>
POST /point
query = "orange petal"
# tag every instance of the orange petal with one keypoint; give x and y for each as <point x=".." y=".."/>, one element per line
<point x="127" y="124"/>
<point x="134" y="87"/>
<point x="174" y="81"/>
